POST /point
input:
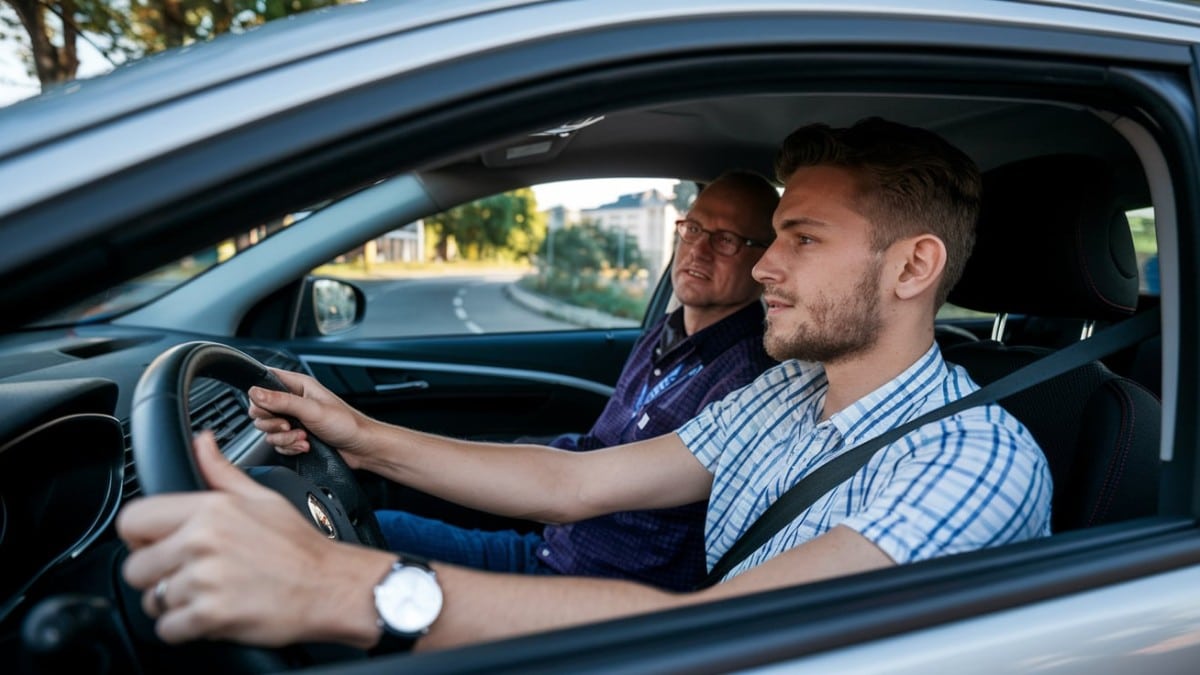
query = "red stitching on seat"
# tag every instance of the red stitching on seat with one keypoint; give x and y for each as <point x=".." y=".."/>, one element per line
<point x="1108" y="489"/>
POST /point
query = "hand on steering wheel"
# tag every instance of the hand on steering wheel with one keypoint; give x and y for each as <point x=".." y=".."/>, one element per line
<point x="319" y="483"/>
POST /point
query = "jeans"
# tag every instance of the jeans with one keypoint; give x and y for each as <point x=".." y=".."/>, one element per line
<point x="506" y="551"/>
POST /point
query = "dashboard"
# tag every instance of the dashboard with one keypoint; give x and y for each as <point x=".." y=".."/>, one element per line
<point x="66" y="465"/>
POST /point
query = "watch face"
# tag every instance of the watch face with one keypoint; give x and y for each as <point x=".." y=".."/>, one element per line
<point x="408" y="599"/>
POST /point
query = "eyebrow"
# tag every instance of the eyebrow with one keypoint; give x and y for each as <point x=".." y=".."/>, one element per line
<point x="717" y="229"/>
<point x="802" y="221"/>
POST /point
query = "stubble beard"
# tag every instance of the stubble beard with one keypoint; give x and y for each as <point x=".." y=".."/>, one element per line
<point x="837" y="329"/>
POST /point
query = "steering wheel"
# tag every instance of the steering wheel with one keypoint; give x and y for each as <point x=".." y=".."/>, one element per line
<point x="319" y="483"/>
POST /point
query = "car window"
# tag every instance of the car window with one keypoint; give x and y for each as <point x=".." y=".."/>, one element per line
<point x="575" y="255"/>
<point x="1145" y="243"/>
<point x="152" y="285"/>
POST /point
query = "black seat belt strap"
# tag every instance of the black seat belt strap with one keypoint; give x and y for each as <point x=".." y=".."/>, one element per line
<point x="837" y="470"/>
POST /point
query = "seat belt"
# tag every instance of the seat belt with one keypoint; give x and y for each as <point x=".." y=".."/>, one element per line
<point x="800" y="496"/>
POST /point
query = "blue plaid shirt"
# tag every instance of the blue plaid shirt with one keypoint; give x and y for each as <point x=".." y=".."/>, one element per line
<point x="972" y="480"/>
<point x="658" y="391"/>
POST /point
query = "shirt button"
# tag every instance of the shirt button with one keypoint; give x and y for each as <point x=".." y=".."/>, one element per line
<point x="545" y="553"/>
<point x="657" y="372"/>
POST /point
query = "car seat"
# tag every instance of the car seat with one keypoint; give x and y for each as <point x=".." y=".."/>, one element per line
<point x="1053" y="244"/>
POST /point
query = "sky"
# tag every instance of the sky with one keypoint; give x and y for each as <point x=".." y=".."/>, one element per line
<point x="15" y="84"/>
<point x="587" y="194"/>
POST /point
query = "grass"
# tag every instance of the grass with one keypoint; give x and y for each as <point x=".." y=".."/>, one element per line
<point x="618" y="298"/>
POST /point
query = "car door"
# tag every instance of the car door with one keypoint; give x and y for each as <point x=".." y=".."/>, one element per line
<point x="492" y="341"/>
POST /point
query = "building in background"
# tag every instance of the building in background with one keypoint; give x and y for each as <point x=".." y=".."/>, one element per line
<point x="648" y="217"/>
<point x="406" y="244"/>
<point x="558" y="217"/>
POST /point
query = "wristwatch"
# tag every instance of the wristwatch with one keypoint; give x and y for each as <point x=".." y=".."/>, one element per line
<point x="408" y="599"/>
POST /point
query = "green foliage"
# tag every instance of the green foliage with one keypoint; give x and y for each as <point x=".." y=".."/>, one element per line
<point x="589" y="266"/>
<point x="506" y="226"/>
<point x="154" y="25"/>
<point x="1145" y="237"/>
<point x="575" y="248"/>
<point x="588" y="248"/>
<point x="627" y="299"/>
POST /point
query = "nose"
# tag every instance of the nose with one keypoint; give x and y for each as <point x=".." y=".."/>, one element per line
<point x="703" y="247"/>
<point x="767" y="269"/>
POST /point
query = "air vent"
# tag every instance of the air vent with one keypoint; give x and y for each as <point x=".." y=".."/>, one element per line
<point x="219" y="408"/>
<point x="131" y="486"/>
<point x="215" y="406"/>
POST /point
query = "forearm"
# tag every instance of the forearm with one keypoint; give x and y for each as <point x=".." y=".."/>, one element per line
<point x="481" y="606"/>
<point x="521" y="481"/>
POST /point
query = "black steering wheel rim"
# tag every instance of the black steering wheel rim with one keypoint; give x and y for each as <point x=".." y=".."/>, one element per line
<point x="160" y="427"/>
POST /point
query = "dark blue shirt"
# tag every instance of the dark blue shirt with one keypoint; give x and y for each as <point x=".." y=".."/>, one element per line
<point x="666" y="382"/>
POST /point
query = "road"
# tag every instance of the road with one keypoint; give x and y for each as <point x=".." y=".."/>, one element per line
<point x="445" y="306"/>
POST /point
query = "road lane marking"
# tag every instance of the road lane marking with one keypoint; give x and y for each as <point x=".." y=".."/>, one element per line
<point x="461" y="313"/>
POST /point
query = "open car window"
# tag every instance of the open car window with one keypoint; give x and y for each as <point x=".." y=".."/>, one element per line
<point x="573" y="255"/>
<point x="1145" y="242"/>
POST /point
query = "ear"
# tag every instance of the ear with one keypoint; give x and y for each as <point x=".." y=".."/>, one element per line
<point x="922" y="259"/>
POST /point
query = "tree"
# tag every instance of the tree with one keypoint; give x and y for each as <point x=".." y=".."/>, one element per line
<point x="506" y="225"/>
<point x="587" y="248"/>
<point x="53" y="53"/>
<point x="620" y="248"/>
<point x="124" y="30"/>
<point x="578" y="250"/>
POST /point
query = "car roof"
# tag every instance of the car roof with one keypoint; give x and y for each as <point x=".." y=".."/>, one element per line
<point x="79" y="105"/>
<point x="700" y="139"/>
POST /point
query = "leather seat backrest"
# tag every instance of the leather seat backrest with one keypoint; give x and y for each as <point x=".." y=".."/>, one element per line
<point x="1052" y="243"/>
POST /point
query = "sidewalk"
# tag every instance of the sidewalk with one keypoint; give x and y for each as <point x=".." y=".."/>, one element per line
<point x="580" y="316"/>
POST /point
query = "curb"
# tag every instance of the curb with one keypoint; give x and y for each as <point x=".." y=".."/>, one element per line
<point x="580" y="316"/>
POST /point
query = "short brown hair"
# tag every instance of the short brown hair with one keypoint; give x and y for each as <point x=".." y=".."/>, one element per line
<point x="911" y="181"/>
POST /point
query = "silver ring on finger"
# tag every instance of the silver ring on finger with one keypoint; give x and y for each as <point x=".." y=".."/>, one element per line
<point x="160" y="596"/>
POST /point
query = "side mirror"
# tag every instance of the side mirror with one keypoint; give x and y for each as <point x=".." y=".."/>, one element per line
<point x="330" y="306"/>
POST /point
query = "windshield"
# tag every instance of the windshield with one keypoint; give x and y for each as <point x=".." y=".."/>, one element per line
<point x="153" y="285"/>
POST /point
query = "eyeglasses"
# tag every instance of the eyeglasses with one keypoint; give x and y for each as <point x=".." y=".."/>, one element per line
<point x="723" y="242"/>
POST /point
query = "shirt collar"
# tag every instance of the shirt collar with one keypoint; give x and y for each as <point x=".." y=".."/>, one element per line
<point x="894" y="403"/>
<point x="673" y="334"/>
<point x="715" y="339"/>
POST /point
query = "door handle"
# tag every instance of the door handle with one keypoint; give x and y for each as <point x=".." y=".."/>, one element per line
<point x="401" y="386"/>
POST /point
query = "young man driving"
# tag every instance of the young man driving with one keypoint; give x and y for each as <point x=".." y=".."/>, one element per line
<point x="874" y="227"/>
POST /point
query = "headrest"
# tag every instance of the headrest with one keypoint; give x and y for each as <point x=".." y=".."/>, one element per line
<point x="1051" y="241"/>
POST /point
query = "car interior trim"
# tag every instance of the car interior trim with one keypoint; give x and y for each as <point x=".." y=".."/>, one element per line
<point x="1158" y="175"/>
<point x="430" y="366"/>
